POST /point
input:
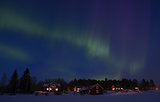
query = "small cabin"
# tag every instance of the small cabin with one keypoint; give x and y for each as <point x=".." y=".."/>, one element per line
<point x="96" y="89"/>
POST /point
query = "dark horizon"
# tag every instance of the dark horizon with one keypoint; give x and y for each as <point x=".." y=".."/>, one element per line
<point x="5" y="79"/>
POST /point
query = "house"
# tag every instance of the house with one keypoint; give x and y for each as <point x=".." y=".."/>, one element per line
<point x="51" y="87"/>
<point x="77" y="89"/>
<point x="81" y="90"/>
<point x="93" y="90"/>
<point x="96" y="89"/>
<point x="117" y="88"/>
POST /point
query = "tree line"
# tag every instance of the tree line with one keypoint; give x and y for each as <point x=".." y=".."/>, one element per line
<point x="27" y="84"/>
<point x="108" y="84"/>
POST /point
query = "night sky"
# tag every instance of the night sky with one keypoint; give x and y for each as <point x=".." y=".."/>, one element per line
<point x="81" y="38"/>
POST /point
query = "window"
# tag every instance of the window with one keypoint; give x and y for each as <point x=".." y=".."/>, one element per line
<point x="47" y="89"/>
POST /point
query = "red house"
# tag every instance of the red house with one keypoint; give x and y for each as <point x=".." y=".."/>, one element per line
<point x="51" y="87"/>
<point x="96" y="89"/>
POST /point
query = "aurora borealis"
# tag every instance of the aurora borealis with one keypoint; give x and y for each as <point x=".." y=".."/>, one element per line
<point x="80" y="38"/>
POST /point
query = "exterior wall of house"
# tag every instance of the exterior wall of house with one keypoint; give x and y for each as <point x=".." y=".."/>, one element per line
<point x="96" y="90"/>
<point x="51" y="87"/>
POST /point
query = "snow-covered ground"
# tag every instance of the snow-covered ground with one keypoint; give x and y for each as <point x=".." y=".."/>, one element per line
<point x="149" y="96"/>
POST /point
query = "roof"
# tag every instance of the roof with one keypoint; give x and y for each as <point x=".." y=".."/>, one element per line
<point x="51" y="84"/>
<point x="97" y="85"/>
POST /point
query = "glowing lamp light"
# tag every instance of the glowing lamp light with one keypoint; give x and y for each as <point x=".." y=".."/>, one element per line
<point x="157" y="89"/>
<point x="78" y="89"/>
<point x="47" y="89"/>
<point x="75" y="89"/>
<point x="56" y="89"/>
<point x="122" y="89"/>
<point x="118" y="88"/>
<point x="136" y="88"/>
<point x="113" y="89"/>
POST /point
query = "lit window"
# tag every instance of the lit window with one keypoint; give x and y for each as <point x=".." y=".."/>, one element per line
<point x="78" y="89"/>
<point x="47" y="88"/>
<point x="56" y="89"/>
<point x="113" y="89"/>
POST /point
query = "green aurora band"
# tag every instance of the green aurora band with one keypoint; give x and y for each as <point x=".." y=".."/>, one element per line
<point x="93" y="45"/>
<point x="14" y="53"/>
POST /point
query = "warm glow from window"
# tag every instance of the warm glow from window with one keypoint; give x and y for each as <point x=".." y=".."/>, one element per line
<point x="118" y="88"/>
<point x="78" y="89"/>
<point x="56" y="89"/>
<point x="113" y="89"/>
<point x="75" y="89"/>
<point x="157" y="89"/>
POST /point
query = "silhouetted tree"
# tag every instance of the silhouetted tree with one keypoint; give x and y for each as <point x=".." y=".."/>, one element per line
<point x="13" y="84"/>
<point x="33" y="83"/>
<point x="39" y="86"/>
<point x="147" y="85"/>
<point x="152" y="84"/>
<point x="62" y="82"/>
<point x="143" y="84"/>
<point x="134" y="83"/>
<point x="3" y="83"/>
<point x="125" y="83"/>
<point x="26" y="82"/>
<point x="4" y="80"/>
<point x="72" y="84"/>
<point x="109" y="84"/>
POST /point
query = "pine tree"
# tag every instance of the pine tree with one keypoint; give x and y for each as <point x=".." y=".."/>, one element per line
<point x="148" y="85"/>
<point x="143" y="84"/>
<point x="26" y="82"/>
<point x="152" y="84"/>
<point x="3" y="83"/>
<point x="13" y="84"/>
<point x="134" y="83"/>
<point x="4" y="79"/>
